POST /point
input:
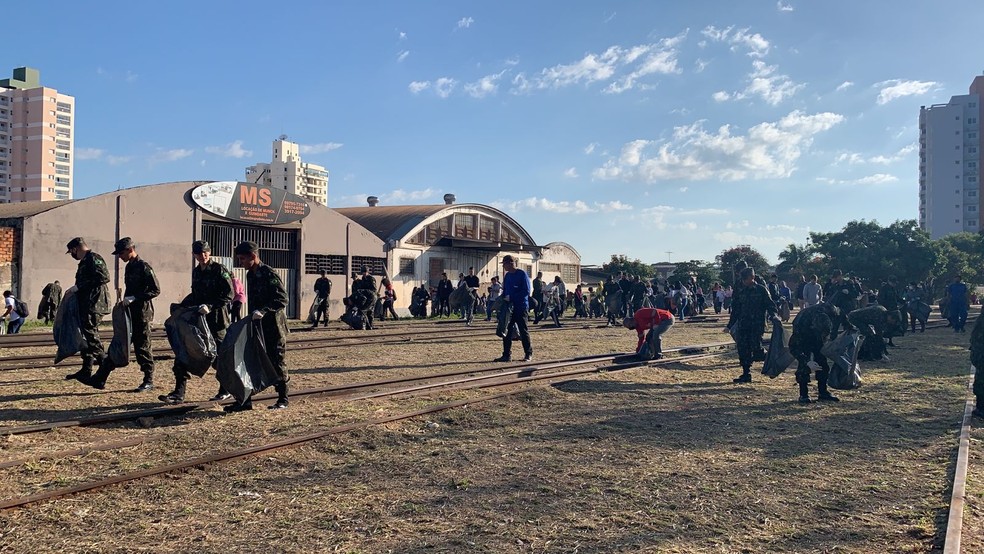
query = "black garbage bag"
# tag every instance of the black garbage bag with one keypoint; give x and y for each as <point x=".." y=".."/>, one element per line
<point x="843" y="351"/>
<point x="243" y="367"/>
<point x="190" y="340"/>
<point x="67" y="329"/>
<point x="614" y="303"/>
<point x="503" y="314"/>
<point x="313" y="311"/>
<point x="119" y="347"/>
<point x="460" y="297"/>
<point x="779" y="356"/>
<point x="354" y="317"/>
<point x="919" y="309"/>
<point x="872" y="349"/>
<point x="377" y="309"/>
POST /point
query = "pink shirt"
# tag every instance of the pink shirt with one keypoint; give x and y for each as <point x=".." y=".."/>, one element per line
<point x="238" y="290"/>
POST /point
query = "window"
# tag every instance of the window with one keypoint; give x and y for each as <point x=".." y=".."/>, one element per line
<point x="972" y="135"/>
<point x="971" y="208"/>
<point x="972" y="150"/>
<point x="464" y="225"/>
<point x="569" y="273"/>
<point x="377" y="266"/>
<point x="971" y="193"/>
<point x="315" y="263"/>
<point x="971" y="120"/>
<point x="972" y="104"/>
<point x="972" y="223"/>
<point x="406" y="266"/>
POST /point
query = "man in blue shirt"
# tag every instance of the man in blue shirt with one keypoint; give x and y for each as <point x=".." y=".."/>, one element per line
<point x="516" y="290"/>
<point x="957" y="293"/>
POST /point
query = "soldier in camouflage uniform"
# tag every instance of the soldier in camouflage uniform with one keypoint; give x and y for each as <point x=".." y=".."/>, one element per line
<point x="977" y="358"/>
<point x="811" y="328"/>
<point x="141" y="288"/>
<point x="845" y="294"/>
<point x="367" y="283"/>
<point x="211" y="293"/>
<point x="93" y="296"/>
<point x="750" y="305"/>
<point x="875" y="323"/>
<point x="267" y="299"/>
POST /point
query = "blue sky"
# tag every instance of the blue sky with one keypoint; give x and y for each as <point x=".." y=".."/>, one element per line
<point x="635" y="128"/>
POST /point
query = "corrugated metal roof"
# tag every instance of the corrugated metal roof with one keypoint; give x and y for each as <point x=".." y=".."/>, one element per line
<point x="27" y="209"/>
<point x="391" y="222"/>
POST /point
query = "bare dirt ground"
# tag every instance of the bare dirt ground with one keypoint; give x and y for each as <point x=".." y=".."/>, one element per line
<point x="672" y="459"/>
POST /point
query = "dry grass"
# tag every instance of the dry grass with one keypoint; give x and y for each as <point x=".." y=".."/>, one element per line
<point x="666" y="460"/>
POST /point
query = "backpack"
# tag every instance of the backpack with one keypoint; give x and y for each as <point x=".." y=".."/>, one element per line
<point x="21" y="308"/>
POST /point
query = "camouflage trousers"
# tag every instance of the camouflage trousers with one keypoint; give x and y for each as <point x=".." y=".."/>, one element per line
<point x="142" y="349"/>
<point x="803" y="349"/>
<point x="979" y="385"/>
<point x="92" y="348"/>
<point x="747" y="343"/>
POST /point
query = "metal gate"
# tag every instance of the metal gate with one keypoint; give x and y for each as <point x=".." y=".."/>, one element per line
<point x="278" y="249"/>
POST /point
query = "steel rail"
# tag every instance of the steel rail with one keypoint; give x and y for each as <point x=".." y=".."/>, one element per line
<point x="302" y="439"/>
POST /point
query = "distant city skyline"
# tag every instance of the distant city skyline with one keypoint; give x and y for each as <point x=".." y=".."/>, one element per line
<point x="633" y="128"/>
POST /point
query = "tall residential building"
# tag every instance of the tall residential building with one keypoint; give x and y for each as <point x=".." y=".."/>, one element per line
<point x="950" y="188"/>
<point x="288" y="172"/>
<point x="36" y="146"/>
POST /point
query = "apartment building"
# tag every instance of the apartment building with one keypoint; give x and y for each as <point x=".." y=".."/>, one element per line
<point x="950" y="143"/>
<point x="36" y="139"/>
<point x="287" y="171"/>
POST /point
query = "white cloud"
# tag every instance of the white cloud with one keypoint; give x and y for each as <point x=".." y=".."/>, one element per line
<point x="171" y="155"/>
<point x="731" y="237"/>
<point x="613" y="206"/>
<point x="770" y="87"/>
<point x="897" y="88"/>
<point x="854" y="158"/>
<point x="117" y="160"/>
<point x="485" y="86"/>
<point x="402" y="56"/>
<point x="232" y="150"/>
<point x="876" y="179"/>
<point x="544" y="205"/>
<point x="721" y="96"/>
<point x="700" y="65"/>
<point x="319" y="148"/>
<point x="590" y="148"/>
<point x="638" y="61"/>
<point x="769" y="150"/>
<point x="419" y="86"/>
<point x="88" y="153"/>
<point x="783" y="7"/>
<point x="684" y="189"/>
<point x="787" y="228"/>
<point x="465" y="22"/>
<point x="704" y="211"/>
<point x="402" y="35"/>
<point x="755" y="44"/>
<point x="399" y="196"/>
<point x="444" y="86"/>
<point x="570" y="173"/>
<point x="740" y="225"/>
<point x="845" y="85"/>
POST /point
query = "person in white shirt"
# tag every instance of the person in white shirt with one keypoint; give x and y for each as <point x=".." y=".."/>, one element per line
<point x="10" y="315"/>
<point x="495" y="290"/>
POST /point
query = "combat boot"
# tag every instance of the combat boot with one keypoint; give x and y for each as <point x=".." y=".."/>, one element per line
<point x="979" y="409"/>
<point x="745" y="377"/>
<point x="148" y="380"/>
<point x="221" y="395"/>
<point x="823" y="395"/>
<point x="234" y="407"/>
<point x="804" y="393"/>
<point x="178" y="394"/>
<point x="282" y="401"/>
<point x="98" y="381"/>
<point x="83" y="374"/>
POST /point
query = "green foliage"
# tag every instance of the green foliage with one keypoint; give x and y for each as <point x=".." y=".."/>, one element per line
<point x="726" y="261"/>
<point x="621" y="262"/>
<point x="706" y="272"/>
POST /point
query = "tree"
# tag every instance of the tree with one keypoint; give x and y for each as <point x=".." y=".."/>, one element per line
<point x="794" y="260"/>
<point x="966" y="258"/>
<point x="874" y="253"/>
<point x="726" y="262"/>
<point x="705" y="272"/>
<point x="621" y="262"/>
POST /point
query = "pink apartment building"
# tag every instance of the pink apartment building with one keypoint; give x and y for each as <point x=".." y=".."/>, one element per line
<point x="36" y="144"/>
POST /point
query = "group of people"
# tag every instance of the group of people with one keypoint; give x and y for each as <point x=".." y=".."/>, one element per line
<point x="213" y="295"/>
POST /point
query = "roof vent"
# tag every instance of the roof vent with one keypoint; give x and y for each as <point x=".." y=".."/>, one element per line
<point x="449" y="198"/>
<point x="372" y="200"/>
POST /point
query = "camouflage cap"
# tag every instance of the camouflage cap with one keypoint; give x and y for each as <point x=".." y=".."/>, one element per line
<point x="200" y="246"/>
<point x="122" y="244"/>
<point x="75" y="243"/>
<point x="246" y="247"/>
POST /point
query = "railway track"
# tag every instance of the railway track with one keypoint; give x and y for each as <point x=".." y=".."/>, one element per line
<point x="511" y="376"/>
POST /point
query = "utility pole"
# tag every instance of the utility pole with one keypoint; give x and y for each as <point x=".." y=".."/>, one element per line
<point x="668" y="254"/>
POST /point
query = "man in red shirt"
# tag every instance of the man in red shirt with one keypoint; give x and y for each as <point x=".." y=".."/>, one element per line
<point x="655" y="321"/>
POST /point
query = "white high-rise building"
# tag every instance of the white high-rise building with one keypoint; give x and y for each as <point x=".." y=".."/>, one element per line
<point x="949" y="164"/>
<point x="36" y="129"/>
<point x="287" y="171"/>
